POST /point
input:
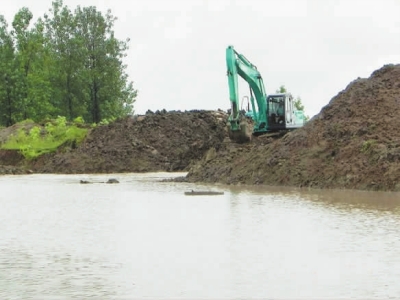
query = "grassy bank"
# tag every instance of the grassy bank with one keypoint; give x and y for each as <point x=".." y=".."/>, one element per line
<point x="47" y="138"/>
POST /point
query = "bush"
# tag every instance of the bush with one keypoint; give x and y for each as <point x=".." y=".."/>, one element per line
<point x="45" y="140"/>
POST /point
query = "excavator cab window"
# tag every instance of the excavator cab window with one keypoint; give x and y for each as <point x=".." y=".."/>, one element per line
<point x="276" y="110"/>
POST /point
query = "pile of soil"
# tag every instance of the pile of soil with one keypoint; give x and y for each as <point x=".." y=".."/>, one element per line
<point x="5" y="133"/>
<point x="11" y="162"/>
<point x="354" y="142"/>
<point x="10" y="169"/>
<point x="161" y="141"/>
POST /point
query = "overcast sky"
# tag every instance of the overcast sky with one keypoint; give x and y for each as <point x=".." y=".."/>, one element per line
<point x="313" y="47"/>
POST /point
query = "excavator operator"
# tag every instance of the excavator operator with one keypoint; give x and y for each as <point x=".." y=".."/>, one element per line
<point x="280" y="112"/>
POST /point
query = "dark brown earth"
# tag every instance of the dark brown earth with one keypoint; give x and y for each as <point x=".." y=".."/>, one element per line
<point x="354" y="142"/>
<point x="12" y="162"/>
<point x="162" y="141"/>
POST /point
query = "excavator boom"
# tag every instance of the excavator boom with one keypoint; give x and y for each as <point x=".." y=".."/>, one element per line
<point x="239" y="65"/>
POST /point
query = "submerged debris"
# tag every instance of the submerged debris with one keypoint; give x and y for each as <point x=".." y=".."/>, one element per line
<point x="203" y="193"/>
<point x="110" y="181"/>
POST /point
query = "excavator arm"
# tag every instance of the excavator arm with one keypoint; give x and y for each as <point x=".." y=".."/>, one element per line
<point x="239" y="65"/>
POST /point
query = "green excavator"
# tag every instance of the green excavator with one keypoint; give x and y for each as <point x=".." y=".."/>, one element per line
<point x="275" y="113"/>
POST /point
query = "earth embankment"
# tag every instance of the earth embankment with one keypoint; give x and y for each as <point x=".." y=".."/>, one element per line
<point x="354" y="142"/>
<point x="162" y="141"/>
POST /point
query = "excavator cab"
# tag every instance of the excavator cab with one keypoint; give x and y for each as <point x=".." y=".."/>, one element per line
<point x="282" y="114"/>
<point x="276" y="105"/>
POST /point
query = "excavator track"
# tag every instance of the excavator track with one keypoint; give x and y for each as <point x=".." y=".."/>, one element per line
<point x="275" y="135"/>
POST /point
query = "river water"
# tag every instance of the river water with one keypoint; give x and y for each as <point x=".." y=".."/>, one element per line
<point x="142" y="238"/>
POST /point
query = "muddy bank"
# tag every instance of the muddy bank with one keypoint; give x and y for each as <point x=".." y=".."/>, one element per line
<point x="12" y="163"/>
<point x="162" y="141"/>
<point x="13" y="170"/>
<point x="353" y="143"/>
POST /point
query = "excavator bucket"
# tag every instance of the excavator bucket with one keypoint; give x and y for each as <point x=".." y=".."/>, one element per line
<point x="242" y="135"/>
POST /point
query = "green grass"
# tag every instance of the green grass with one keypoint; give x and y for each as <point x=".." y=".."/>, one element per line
<point x="367" y="146"/>
<point x="47" y="139"/>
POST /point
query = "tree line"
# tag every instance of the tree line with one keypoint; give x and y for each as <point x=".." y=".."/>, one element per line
<point x="68" y="63"/>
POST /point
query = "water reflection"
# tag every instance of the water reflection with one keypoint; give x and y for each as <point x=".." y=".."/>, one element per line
<point x="54" y="275"/>
<point x="330" y="243"/>
<point x="142" y="238"/>
<point x="382" y="201"/>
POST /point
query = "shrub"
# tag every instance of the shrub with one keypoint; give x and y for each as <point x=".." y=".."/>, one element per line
<point x="45" y="140"/>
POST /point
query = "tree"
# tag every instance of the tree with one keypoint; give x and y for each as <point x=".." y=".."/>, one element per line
<point x="23" y="59"/>
<point x="110" y="95"/>
<point x="32" y="67"/>
<point x="298" y="104"/>
<point x="8" y="103"/>
<point x="68" y="56"/>
<point x="67" y="64"/>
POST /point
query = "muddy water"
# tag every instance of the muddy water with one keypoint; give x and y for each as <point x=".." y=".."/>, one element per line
<point x="143" y="239"/>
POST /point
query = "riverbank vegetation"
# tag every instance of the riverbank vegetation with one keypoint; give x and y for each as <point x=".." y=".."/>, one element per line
<point x="38" y="140"/>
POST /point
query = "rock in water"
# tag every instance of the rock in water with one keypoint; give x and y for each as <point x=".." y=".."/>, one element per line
<point x="112" y="180"/>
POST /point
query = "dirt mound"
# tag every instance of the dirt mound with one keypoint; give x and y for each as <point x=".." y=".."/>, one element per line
<point x="13" y="170"/>
<point x="162" y="141"/>
<point x="5" y="133"/>
<point x="11" y="162"/>
<point x="353" y="143"/>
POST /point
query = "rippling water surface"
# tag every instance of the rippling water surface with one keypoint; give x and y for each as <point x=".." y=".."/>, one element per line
<point x="142" y="238"/>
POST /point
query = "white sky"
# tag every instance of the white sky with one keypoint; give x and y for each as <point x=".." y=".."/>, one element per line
<point x="177" y="49"/>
